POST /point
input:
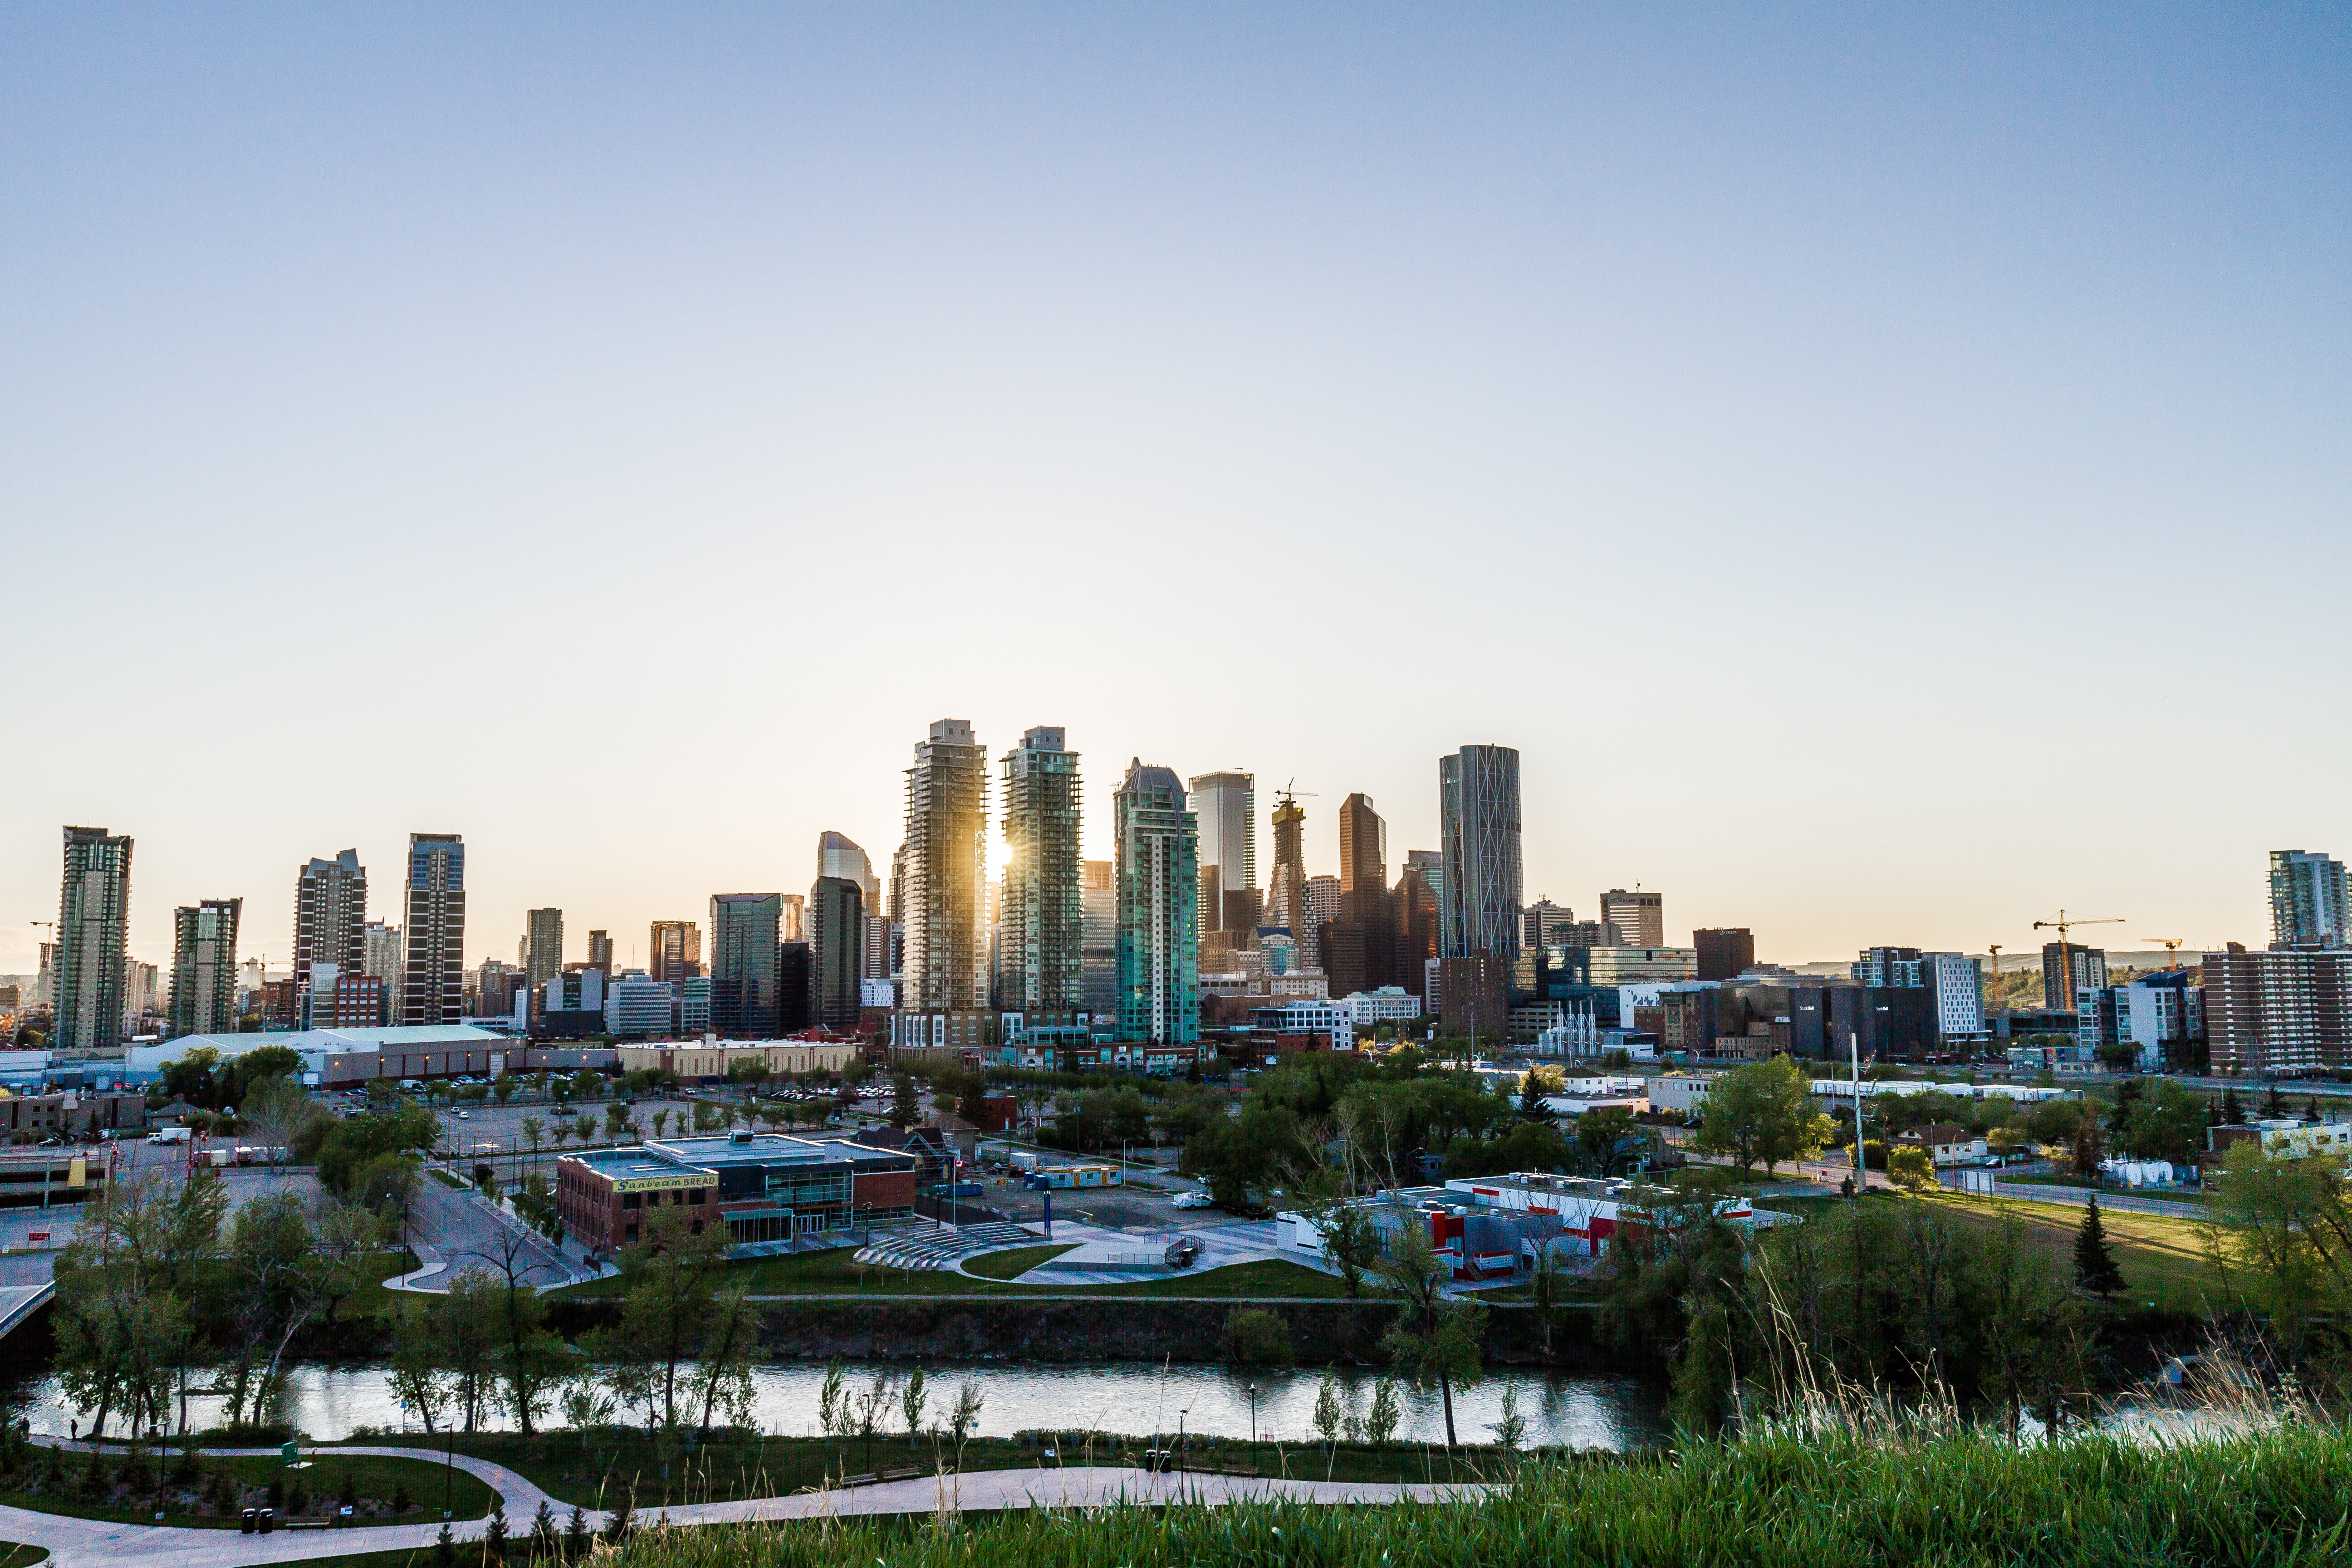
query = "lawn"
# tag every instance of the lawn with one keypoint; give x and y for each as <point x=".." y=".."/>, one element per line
<point x="377" y="1483"/>
<point x="1013" y="1264"/>
<point x="14" y="1555"/>
<point x="598" y="1470"/>
<point x="836" y="1272"/>
<point x="2163" y="1258"/>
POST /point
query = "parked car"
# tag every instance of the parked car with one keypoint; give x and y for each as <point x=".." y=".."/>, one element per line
<point x="1192" y="1201"/>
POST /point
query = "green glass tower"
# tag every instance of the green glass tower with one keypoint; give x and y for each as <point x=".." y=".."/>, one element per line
<point x="1159" y="929"/>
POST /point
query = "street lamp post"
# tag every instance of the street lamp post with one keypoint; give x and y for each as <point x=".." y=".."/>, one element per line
<point x="1252" y="1399"/>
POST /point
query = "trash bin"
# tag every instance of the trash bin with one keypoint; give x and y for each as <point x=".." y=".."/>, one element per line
<point x="247" y="1523"/>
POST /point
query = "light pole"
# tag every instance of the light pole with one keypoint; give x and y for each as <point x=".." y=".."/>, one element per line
<point x="1252" y="1399"/>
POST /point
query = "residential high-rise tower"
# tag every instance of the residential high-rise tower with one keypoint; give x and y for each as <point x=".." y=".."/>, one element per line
<point x="1041" y="921"/>
<point x="329" y="917"/>
<point x="1159" y="879"/>
<point x="945" y="909"/>
<point x="433" y="985"/>
<point x="2308" y="905"/>
<point x="93" y="914"/>
<point x="204" y="967"/>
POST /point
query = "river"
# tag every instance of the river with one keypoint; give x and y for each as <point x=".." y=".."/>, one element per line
<point x="1579" y="1410"/>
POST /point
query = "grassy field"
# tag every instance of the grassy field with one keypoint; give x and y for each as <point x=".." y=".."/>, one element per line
<point x="597" y="1471"/>
<point x="1771" y="1501"/>
<point x="1013" y="1264"/>
<point x="14" y="1554"/>
<point x="836" y="1272"/>
<point x="2164" y="1258"/>
<point x="376" y="1481"/>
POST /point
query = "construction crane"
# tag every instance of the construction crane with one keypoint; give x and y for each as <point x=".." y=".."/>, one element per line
<point x="2171" y="945"/>
<point x="1286" y="793"/>
<point x="2065" y="948"/>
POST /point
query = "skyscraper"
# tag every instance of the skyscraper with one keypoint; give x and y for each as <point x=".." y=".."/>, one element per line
<point x="1159" y="879"/>
<point x="1225" y="805"/>
<point x="743" y="963"/>
<point x="600" y="950"/>
<point x="1361" y="954"/>
<point x="542" y="947"/>
<point x="1416" y="918"/>
<point x="329" y="917"/>
<point x="204" y="967"/>
<point x="1541" y="922"/>
<point x="675" y="949"/>
<point x="1041" y="922"/>
<point x="2308" y="905"/>
<point x="838" y="855"/>
<point x="1640" y="918"/>
<point x="1099" y="944"/>
<point x="433" y="986"/>
<point x="837" y="938"/>
<point x="795" y="918"/>
<point x="946" y="899"/>
<point x="1430" y="864"/>
<point x="1478" y="815"/>
<point x="93" y="912"/>
<point x="1287" y="893"/>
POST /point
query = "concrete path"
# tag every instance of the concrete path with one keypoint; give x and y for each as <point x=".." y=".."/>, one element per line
<point x="100" y="1543"/>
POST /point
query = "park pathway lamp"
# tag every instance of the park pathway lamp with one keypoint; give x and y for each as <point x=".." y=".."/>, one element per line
<point x="1252" y="1399"/>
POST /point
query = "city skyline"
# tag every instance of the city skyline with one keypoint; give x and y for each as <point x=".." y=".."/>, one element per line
<point x="1860" y="355"/>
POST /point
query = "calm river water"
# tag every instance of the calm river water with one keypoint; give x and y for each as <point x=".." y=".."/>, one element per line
<point x="1582" y="1410"/>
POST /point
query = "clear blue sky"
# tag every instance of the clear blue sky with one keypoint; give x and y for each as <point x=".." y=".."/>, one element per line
<point x="1885" y="469"/>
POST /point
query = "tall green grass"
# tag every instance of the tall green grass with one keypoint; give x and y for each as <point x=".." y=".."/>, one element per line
<point x="1780" y="1498"/>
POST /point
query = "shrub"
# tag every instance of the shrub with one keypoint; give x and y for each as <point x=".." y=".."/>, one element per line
<point x="1911" y="1168"/>
<point x="1256" y="1337"/>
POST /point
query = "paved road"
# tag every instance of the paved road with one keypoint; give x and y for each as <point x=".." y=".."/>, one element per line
<point x="97" y="1543"/>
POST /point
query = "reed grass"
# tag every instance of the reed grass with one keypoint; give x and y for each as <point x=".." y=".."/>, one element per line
<point x="1783" y="1496"/>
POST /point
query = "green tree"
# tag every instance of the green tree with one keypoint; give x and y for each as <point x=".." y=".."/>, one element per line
<point x="2232" y="1112"/>
<point x="419" y="1379"/>
<point x="1531" y="1099"/>
<point x="1435" y="1334"/>
<point x="1762" y="1112"/>
<point x="2095" y="1261"/>
<point x="1598" y="1135"/>
<point x="2286" y="1228"/>
<point x="2165" y="1121"/>
<point x="669" y="1285"/>
<point x="1911" y="1168"/>
<point x="1351" y="1243"/>
<point x="906" y="1108"/>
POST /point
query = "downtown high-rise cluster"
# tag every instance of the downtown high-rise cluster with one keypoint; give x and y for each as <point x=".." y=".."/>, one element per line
<point x="1196" y="928"/>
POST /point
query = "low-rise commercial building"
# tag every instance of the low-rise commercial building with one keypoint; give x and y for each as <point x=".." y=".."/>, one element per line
<point x="773" y="1193"/>
<point x="711" y="1061"/>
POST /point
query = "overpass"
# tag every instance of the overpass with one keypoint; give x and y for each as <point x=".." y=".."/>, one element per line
<point x="19" y="1302"/>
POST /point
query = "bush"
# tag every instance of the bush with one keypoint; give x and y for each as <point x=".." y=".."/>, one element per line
<point x="1256" y="1337"/>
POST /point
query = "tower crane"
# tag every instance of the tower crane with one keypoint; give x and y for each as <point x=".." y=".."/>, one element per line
<point x="2063" y="924"/>
<point x="2171" y="945"/>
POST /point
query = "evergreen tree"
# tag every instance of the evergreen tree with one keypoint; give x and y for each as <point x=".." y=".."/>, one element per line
<point x="543" y="1540"/>
<point x="444" y="1549"/>
<point x="2272" y="1106"/>
<point x="2095" y="1262"/>
<point x="575" y="1534"/>
<point x="2232" y="1112"/>
<point x="1531" y="1100"/>
<point x="494" y="1539"/>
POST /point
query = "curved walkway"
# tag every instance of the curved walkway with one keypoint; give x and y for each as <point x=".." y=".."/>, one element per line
<point x="99" y="1544"/>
